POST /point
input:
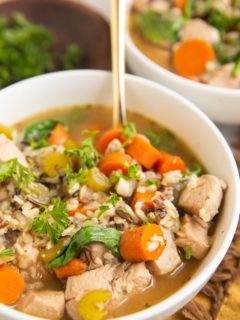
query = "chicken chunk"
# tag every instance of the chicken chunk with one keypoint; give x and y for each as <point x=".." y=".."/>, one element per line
<point x="8" y="151"/>
<point x="193" y="233"/>
<point x="202" y="196"/>
<point x="72" y="311"/>
<point x="121" y="280"/>
<point x="197" y="28"/>
<point x="169" y="259"/>
<point x="45" y="304"/>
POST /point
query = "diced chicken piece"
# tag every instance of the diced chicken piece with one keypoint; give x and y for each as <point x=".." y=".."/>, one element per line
<point x="45" y="304"/>
<point x="198" y="28"/>
<point x="202" y="196"/>
<point x="193" y="233"/>
<point x="169" y="259"/>
<point x="72" y="311"/>
<point x="8" y="151"/>
<point x="221" y="76"/>
<point x="121" y="280"/>
<point x="171" y="178"/>
<point x="114" y="146"/>
<point x="125" y="187"/>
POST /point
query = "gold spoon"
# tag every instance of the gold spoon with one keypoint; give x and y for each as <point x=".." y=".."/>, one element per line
<point x="118" y="23"/>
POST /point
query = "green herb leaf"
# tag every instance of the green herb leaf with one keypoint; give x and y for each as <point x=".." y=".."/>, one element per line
<point x="87" y="153"/>
<point x="102" y="209"/>
<point x="157" y="27"/>
<point x="152" y="182"/>
<point x="12" y="169"/>
<point x="37" y="133"/>
<point x="76" y="177"/>
<point x="52" y="221"/>
<point x="7" y="253"/>
<point x="236" y="68"/>
<point x="188" y="253"/>
<point x="197" y="170"/>
<point x="129" y="130"/>
<point x="86" y="235"/>
<point x="114" y="198"/>
<point x="188" y="9"/>
<point x="133" y="171"/>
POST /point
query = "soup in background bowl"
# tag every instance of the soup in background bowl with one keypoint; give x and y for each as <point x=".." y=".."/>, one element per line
<point x="110" y="217"/>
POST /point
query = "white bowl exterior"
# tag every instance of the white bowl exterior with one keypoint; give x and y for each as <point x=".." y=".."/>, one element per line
<point x="161" y="105"/>
<point x="220" y="104"/>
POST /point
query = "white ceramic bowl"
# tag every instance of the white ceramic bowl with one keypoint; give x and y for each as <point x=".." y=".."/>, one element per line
<point x="159" y="104"/>
<point x="220" y="104"/>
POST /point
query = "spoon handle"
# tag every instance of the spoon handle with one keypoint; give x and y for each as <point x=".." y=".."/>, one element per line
<point x="118" y="24"/>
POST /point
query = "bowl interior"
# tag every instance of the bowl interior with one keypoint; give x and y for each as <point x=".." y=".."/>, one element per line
<point x="70" y="21"/>
<point x="165" y="107"/>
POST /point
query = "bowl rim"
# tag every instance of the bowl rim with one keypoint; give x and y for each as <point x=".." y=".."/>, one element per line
<point x="192" y="285"/>
<point x="174" y="77"/>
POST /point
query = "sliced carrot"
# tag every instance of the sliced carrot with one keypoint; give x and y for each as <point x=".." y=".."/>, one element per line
<point x="59" y="135"/>
<point x="136" y="244"/>
<point x="107" y="137"/>
<point x="11" y="284"/>
<point x="145" y="197"/>
<point x="168" y="162"/>
<point x="142" y="151"/>
<point x="114" y="161"/>
<point x="192" y="56"/>
<point x="82" y="210"/>
<point x="74" y="268"/>
<point x="180" y="4"/>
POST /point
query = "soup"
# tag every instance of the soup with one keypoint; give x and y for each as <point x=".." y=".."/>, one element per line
<point x="197" y="39"/>
<point x="99" y="222"/>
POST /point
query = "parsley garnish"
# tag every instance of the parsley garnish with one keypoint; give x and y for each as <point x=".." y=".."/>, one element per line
<point x="102" y="210"/>
<point x="76" y="177"/>
<point x="154" y="138"/>
<point x="129" y="130"/>
<point x="236" y="68"/>
<point x="133" y="173"/>
<point x="87" y="153"/>
<point x="152" y="182"/>
<point x="12" y="169"/>
<point x="52" y="221"/>
<point x="114" y="199"/>
<point x="188" y="253"/>
<point x="197" y="170"/>
<point x="7" y="253"/>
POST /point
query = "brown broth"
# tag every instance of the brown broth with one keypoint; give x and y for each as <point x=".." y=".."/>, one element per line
<point x="154" y="52"/>
<point x="99" y="117"/>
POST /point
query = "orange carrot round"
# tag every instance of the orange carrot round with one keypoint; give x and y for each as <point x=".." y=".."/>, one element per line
<point x="192" y="56"/>
<point x="168" y="162"/>
<point x="144" y="243"/>
<point x="74" y="268"/>
<point x="59" y="135"/>
<point x="145" y="197"/>
<point x="107" y="137"/>
<point x="142" y="151"/>
<point x="114" y="161"/>
<point x="11" y="284"/>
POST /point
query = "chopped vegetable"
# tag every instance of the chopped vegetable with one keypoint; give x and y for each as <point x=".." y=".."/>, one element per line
<point x="59" y="135"/>
<point x="114" y="198"/>
<point x="73" y="268"/>
<point x="54" y="163"/>
<point x="88" y="155"/>
<point x="142" y="151"/>
<point x="192" y="56"/>
<point x="188" y="253"/>
<point x="102" y="210"/>
<point x="133" y="171"/>
<point x="48" y="255"/>
<point x="152" y="182"/>
<point x="37" y="133"/>
<point x="12" y="169"/>
<point x="80" y="177"/>
<point x="7" y="131"/>
<point x="164" y="140"/>
<point x="97" y="181"/>
<point x="154" y="138"/>
<point x="86" y="235"/>
<point x="145" y="198"/>
<point x="157" y="27"/>
<point x="236" y="68"/>
<point x="129" y="130"/>
<point x="188" y="9"/>
<point x="112" y="162"/>
<point x="168" y="162"/>
<point x="6" y="253"/>
<point x="52" y="221"/>
<point x="88" y="306"/>
<point x="197" y="170"/>
<point x="11" y="285"/>
<point x="107" y="137"/>
<point x="144" y="243"/>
